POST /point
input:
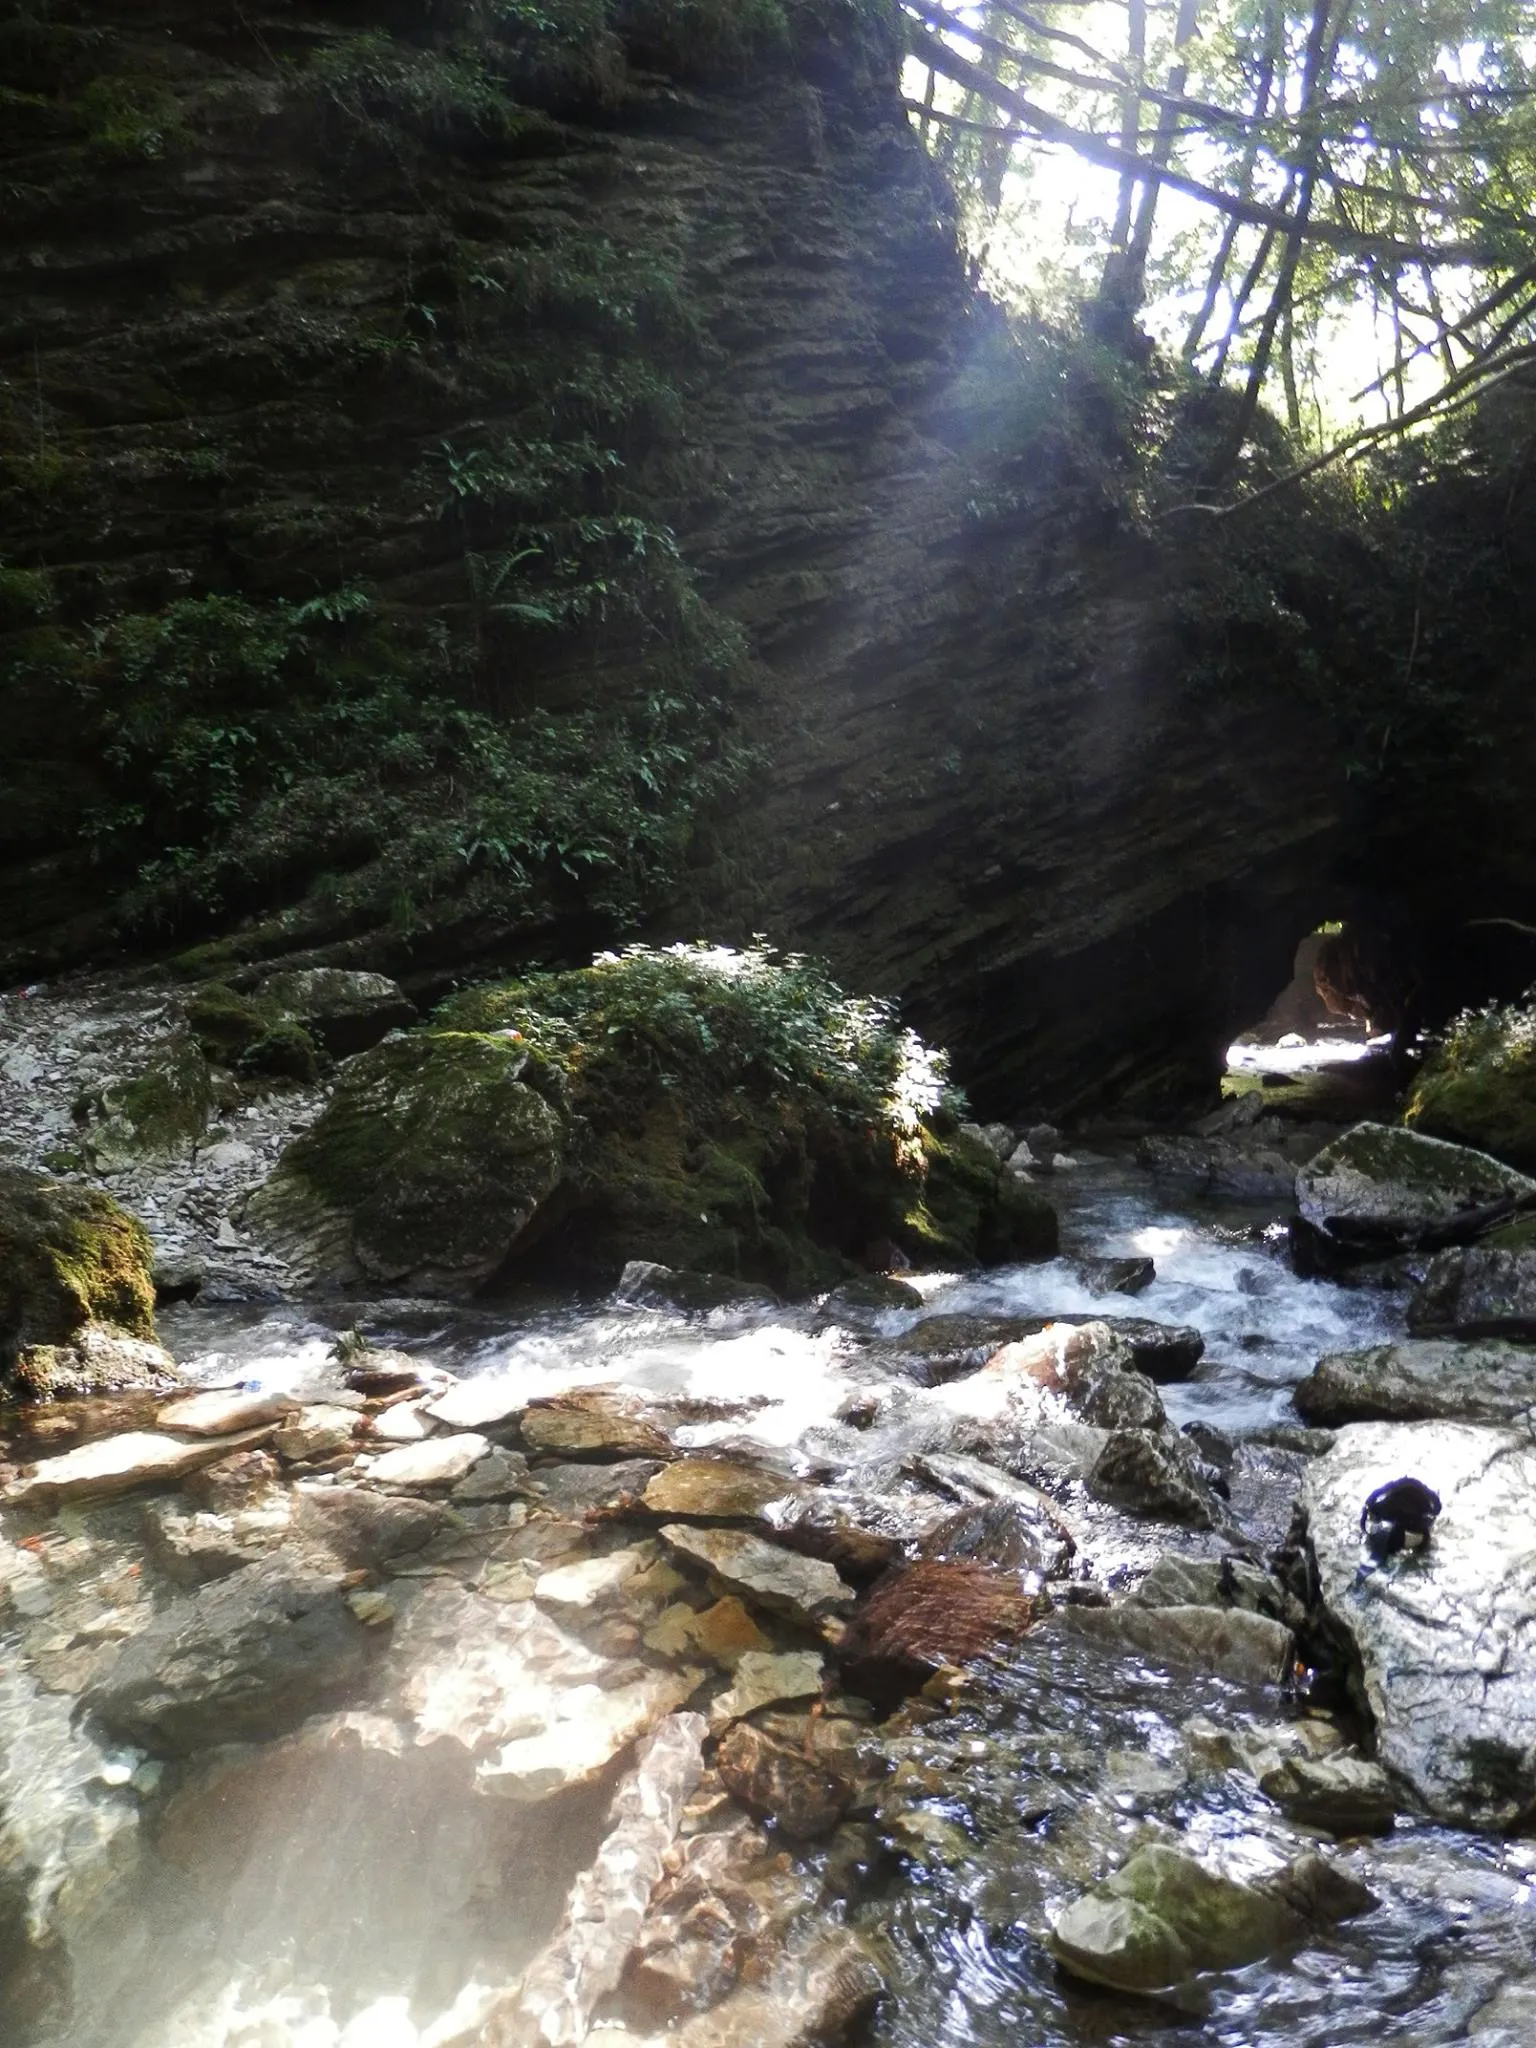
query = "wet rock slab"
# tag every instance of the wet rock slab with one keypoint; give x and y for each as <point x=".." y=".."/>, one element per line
<point x="1477" y="1291"/>
<point x="1446" y="1640"/>
<point x="955" y="1344"/>
<point x="240" y="1660"/>
<point x="804" y="1589"/>
<point x="121" y="1464"/>
<point x="1488" y="1380"/>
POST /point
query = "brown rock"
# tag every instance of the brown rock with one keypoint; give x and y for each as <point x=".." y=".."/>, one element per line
<point x="922" y="1616"/>
<point x="593" y="1422"/>
<point x="781" y="1784"/>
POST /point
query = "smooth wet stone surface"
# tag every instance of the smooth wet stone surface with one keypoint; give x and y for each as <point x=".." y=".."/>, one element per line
<point x="593" y="1581"/>
<point x="592" y="1422"/>
<point x="781" y="1783"/>
<point x="587" y="1728"/>
<point x="1153" y="1474"/>
<point x="1476" y="1291"/>
<point x="243" y="1659"/>
<point x="717" y="1489"/>
<point x="120" y="1464"/>
<point x="1231" y="1642"/>
<point x="1446" y="1639"/>
<point x="1480" y="1380"/>
<point x="438" y="1462"/>
<point x="1378" y="1189"/>
<point x="1164" y="1917"/>
<point x="584" y="1960"/>
<point x="803" y="1588"/>
<point x="219" y="1413"/>
<point x="959" y="1343"/>
<point x="1344" y="1795"/>
<point x="764" y="1680"/>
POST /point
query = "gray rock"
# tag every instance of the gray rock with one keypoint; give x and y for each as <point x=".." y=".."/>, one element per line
<point x="1176" y="1581"/>
<point x="1476" y="1291"/>
<point x="803" y="1588"/>
<point x="1445" y="1640"/>
<point x="653" y="1286"/>
<point x="1343" y="1795"/>
<point x="1218" y="1166"/>
<point x="363" y="1529"/>
<point x="1232" y="1642"/>
<point x="780" y="1783"/>
<point x="121" y="1464"/>
<point x="952" y="1345"/>
<point x="1164" y="1917"/>
<point x="1153" y="1475"/>
<point x="96" y="1360"/>
<point x="1379" y="1190"/>
<point x="1115" y="1276"/>
<point x="346" y="1009"/>
<point x="238" y="1661"/>
<point x="592" y="1422"/>
<point x="1486" y="1381"/>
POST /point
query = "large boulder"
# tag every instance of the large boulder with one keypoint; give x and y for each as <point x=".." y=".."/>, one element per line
<point x="1379" y="1190"/>
<point x="423" y="1171"/>
<point x="1484" y="1290"/>
<point x="1490" y="1381"/>
<point x="156" y="1113"/>
<point x="71" y="1261"/>
<point x="347" y="1010"/>
<point x="1444" y="1640"/>
<point x="240" y="1660"/>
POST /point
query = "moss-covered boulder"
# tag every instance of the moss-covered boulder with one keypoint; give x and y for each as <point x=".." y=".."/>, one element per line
<point x="1479" y="1085"/>
<point x="157" y="1113"/>
<point x="1379" y="1190"/>
<point x="740" y="1114"/>
<point x="426" y="1167"/>
<point x="70" y="1258"/>
<point x="726" y="1112"/>
<point x="344" y="1008"/>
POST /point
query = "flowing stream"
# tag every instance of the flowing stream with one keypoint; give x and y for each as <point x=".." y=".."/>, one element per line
<point x="997" y="1812"/>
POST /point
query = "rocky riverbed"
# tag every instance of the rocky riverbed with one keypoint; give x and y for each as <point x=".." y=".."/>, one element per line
<point x="936" y="1659"/>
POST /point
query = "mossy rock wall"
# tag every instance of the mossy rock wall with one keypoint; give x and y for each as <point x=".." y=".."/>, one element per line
<point x="1479" y="1086"/>
<point x="69" y="1256"/>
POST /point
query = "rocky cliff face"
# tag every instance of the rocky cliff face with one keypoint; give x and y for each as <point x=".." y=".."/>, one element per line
<point x="470" y="490"/>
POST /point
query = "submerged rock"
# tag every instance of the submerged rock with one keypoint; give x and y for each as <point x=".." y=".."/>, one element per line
<point x="1379" y="1190"/>
<point x="1232" y="1642"/>
<point x="1445" y="1640"/>
<point x="804" y="1589"/>
<point x="240" y="1660"/>
<point x="780" y="1783"/>
<point x="650" y="1285"/>
<point x="1344" y="1795"/>
<point x="1164" y="1917"/>
<point x="592" y="1422"/>
<point x="1484" y="1381"/>
<point x="1477" y="1291"/>
<point x="121" y="1464"/>
<point x="924" y="1616"/>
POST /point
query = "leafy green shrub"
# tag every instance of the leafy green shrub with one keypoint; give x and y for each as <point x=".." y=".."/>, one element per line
<point x="1478" y="1086"/>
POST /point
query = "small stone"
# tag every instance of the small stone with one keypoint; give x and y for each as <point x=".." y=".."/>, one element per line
<point x="402" y="1424"/>
<point x="438" y="1462"/>
<point x="762" y="1680"/>
<point x="781" y="1784"/>
<point x="592" y="1728"/>
<point x="724" y="1633"/>
<point x="315" y="1432"/>
<point x="373" y="1608"/>
<point x="592" y="1422"/>
<point x="591" y="1583"/>
<point x="497" y="1476"/>
<point x="804" y="1588"/>
<point x="232" y="1482"/>
<point x="716" y="1489"/>
<point x="1344" y="1795"/>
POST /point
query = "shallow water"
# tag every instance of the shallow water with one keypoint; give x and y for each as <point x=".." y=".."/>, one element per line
<point x="1035" y="1786"/>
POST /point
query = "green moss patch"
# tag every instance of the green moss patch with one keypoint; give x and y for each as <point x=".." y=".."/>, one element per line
<point x="1479" y="1085"/>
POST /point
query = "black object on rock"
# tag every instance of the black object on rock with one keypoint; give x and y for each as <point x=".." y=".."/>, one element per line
<point x="1399" y="1516"/>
